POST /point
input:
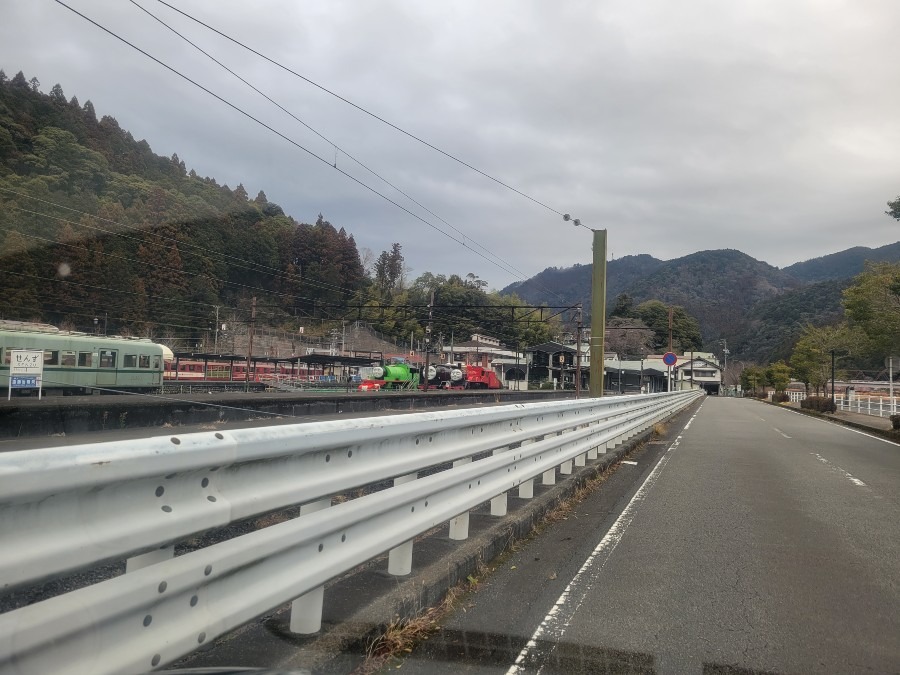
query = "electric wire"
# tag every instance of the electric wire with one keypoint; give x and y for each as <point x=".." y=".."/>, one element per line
<point x="333" y="143"/>
<point x="281" y="135"/>
<point x="361" y="109"/>
<point x="216" y="255"/>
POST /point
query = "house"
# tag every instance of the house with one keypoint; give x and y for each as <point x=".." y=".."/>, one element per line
<point x="701" y="371"/>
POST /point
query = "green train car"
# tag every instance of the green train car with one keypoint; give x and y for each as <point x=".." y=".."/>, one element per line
<point x="81" y="363"/>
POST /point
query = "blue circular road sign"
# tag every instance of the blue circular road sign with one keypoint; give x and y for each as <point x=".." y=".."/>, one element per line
<point x="670" y="359"/>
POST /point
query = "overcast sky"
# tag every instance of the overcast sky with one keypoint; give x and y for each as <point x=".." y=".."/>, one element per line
<point x="768" y="126"/>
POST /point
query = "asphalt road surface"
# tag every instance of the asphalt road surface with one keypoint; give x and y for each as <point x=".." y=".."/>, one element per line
<point x="758" y="540"/>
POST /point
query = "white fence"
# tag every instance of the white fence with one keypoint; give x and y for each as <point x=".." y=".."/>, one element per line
<point x="71" y="508"/>
<point x="879" y="406"/>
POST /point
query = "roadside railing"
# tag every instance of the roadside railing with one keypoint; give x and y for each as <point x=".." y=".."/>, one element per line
<point x="877" y="406"/>
<point x="73" y="508"/>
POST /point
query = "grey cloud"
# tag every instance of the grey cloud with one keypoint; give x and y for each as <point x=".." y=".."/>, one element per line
<point x="765" y="126"/>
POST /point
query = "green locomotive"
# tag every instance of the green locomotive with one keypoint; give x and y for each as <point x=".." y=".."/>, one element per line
<point x="81" y="363"/>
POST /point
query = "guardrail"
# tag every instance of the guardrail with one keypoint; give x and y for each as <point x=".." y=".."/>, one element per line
<point x="71" y="508"/>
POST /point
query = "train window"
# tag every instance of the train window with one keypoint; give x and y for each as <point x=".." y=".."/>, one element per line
<point x="155" y="363"/>
<point x="144" y="361"/>
<point x="51" y="358"/>
<point x="129" y="361"/>
<point x="107" y="358"/>
<point x="68" y="359"/>
<point x="85" y="359"/>
<point x="6" y="356"/>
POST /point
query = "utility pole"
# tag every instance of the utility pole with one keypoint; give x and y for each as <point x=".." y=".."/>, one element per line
<point x="577" y="352"/>
<point x="598" y="306"/>
<point x="216" y="339"/>
<point x="250" y="343"/>
<point x="428" y="340"/>
<point x="598" y="313"/>
<point x="671" y="319"/>
<point x="725" y="366"/>
<point x="832" y="380"/>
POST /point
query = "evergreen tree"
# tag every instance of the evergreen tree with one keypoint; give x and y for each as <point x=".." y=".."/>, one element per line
<point x="57" y="94"/>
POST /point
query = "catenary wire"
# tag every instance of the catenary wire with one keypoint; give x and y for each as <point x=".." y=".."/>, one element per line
<point x="282" y="136"/>
<point x="333" y="143"/>
<point x="362" y="109"/>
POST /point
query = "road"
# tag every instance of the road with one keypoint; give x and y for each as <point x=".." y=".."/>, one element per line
<point x="760" y="540"/>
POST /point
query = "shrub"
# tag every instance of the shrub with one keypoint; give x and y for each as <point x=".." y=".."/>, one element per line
<point x="822" y="404"/>
<point x="895" y="421"/>
<point x="781" y="398"/>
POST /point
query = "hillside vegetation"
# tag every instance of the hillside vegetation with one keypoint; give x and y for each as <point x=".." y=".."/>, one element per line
<point x="95" y="225"/>
<point x="759" y="309"/>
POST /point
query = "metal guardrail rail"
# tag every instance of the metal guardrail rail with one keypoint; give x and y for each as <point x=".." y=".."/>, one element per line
<point x="71" y="508"/>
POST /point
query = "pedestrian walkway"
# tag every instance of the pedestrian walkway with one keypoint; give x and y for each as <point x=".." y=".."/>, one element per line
<point x="859" y="419"/>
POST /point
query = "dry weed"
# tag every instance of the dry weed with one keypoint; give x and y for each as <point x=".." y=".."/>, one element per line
<point x="402" y="635"/>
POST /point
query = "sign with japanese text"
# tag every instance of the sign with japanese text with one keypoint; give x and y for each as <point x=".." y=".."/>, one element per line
<point x="26" y="370"/>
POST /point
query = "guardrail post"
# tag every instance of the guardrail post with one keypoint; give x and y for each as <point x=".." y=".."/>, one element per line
<point x="143" y="560"/>
<point x="306" y="611"/>
<point x="526" y="489"/>
<point x="566" y="467"/>
<point x="499" y="503"/>
<point x="580" y="460"/>
<point x="459" y="526"/>
<point x="549" y="477"/>
<point x="400" y="557"/>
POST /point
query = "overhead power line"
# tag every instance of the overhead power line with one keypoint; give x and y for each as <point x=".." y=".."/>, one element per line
<point x="334" y="144"/>
<point x="282" y="136"/>
<point x="362" y="109"/>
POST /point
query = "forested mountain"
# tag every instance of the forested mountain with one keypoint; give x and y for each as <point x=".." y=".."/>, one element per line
<point x="94" y="227"/>
<point x="93" y="221"/>
<point x="571" y="285"/>
<point x="844" y="264"/>
<point x="758" y="308"/>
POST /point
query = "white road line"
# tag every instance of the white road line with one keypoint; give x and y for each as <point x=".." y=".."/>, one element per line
<point x="781" y="432"/>
<point x="841" y="426"/>
<point x="835" y="467"/>
<point x="626" y="461"/>
<point x="557" y="620"/>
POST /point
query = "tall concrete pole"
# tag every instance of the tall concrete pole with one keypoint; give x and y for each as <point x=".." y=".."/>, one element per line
<point x="598" y="313"/>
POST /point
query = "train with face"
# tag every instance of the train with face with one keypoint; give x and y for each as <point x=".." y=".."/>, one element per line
<point x="440" y="376"/>
<point x="82" y="363"/>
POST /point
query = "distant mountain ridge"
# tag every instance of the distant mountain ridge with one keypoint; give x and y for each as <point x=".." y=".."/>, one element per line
<point x="759" y="309"/>
<point x="844" y="264"/>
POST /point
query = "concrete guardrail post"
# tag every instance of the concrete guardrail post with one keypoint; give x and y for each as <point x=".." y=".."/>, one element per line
<point x="306" y="611"/>
<point x="459" y="526"/>
<point x="400" y="557"/>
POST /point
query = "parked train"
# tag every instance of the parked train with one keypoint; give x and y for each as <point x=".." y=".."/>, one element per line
<point x="440" y="376"/>
<point x="81" y="363"/>
<point x="196" y="370"/>
<point x="388" y="376"/>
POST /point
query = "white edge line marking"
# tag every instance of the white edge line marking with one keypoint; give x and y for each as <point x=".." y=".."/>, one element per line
<point x="841" y="426"/>
<point x="626" y="461"/>
<point x="849" y="476"/>
<point x="560" y="615"/>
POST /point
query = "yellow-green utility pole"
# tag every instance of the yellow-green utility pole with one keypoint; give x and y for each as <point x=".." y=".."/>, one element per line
<point x="598" y="313"/>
